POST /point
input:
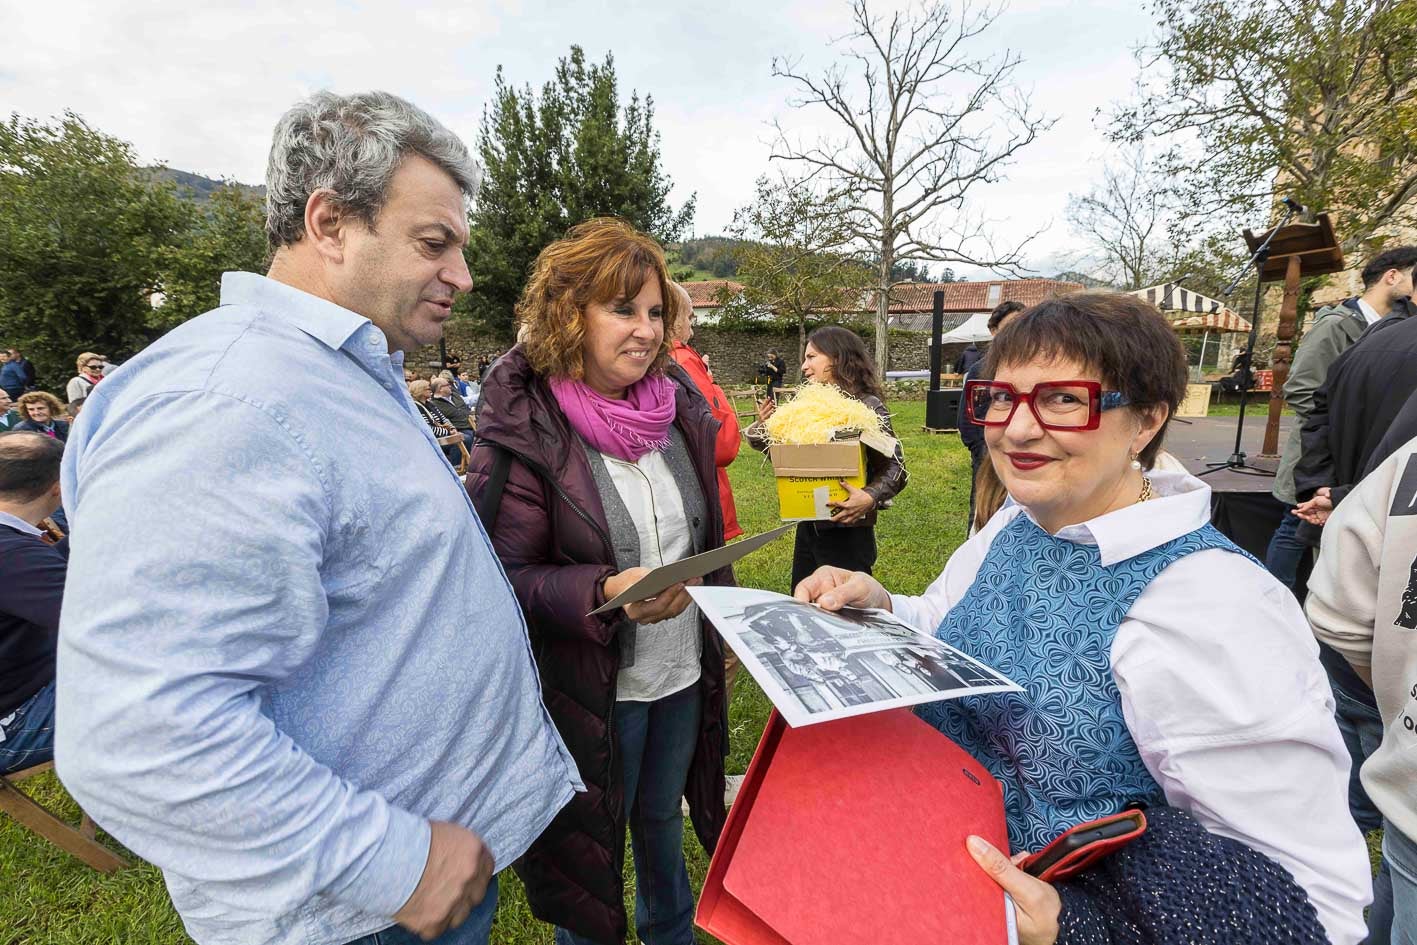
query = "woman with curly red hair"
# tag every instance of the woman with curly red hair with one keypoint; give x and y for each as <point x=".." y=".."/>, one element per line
<point x="595" y="462"/>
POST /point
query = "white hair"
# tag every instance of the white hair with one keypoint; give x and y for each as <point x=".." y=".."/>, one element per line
<point x="352" y="145"/>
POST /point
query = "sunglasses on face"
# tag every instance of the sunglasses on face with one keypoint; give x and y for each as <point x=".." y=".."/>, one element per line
<point x="1056" y="405"/>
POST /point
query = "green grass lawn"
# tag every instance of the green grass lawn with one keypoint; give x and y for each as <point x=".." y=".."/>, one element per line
<point x="49" y="898"/>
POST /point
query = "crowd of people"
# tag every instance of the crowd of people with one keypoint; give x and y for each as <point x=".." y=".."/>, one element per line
<point x="355" y="668"/>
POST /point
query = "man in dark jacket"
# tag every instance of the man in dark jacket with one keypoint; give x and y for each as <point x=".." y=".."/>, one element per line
<point x="1387" y="282"/>
<point x="972" y="434"/>
<point x="31" y="588"/>
<point x="16" y="374"/>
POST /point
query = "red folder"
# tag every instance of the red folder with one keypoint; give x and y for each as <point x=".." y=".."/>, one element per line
<point x="853" y="831"/>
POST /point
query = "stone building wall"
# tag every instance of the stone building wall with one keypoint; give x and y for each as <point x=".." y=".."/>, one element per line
<point x="734" y="355"/>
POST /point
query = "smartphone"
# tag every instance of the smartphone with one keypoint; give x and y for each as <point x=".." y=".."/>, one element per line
<point x="1072" y="842"/>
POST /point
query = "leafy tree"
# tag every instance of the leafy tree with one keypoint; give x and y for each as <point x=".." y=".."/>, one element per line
<point x="1318" y="97"/>
<point x="921" y="119"/>
<point x="83" y="232"/>
<point x="555" y="160"/>
<point x="227" y="232"/>
<point x="792" y="261"/>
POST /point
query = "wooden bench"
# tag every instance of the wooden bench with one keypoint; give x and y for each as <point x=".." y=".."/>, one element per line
<point x="80" y="842"/>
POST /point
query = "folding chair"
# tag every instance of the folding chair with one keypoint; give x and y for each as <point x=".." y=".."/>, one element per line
<point x="80" y="842"/>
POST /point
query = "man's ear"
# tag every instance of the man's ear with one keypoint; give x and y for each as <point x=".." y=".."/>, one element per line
<point x="325" y="225"/>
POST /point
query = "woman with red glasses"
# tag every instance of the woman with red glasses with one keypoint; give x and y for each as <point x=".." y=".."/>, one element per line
<point x="1161" y="665"/>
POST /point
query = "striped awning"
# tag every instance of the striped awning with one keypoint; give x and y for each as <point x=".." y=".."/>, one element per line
<point x="1188" y="310"/>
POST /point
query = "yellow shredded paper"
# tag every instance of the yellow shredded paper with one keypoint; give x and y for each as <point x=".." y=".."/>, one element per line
<point x="816" y="413"/>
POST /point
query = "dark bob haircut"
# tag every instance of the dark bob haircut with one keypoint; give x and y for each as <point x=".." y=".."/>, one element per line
<point x="1127" y="342"/>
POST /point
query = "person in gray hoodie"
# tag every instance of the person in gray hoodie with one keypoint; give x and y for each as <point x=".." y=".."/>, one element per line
<point x="1363" y="603"/>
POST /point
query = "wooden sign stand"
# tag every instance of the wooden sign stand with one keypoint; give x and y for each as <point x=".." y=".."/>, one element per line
<point x="1296" y="250"/>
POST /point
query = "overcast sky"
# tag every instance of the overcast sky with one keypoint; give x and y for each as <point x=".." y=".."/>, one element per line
<point x="200" y="85"/>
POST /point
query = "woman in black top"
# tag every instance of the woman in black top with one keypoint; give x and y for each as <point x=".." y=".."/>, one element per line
<point x="838" y="356"/>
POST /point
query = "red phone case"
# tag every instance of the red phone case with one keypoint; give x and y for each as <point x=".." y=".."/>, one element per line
<point x="1078" y="860"/>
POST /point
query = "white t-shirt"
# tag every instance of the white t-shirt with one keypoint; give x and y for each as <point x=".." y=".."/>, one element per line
<point x="666" y="653"/>
<point x="1222" y="692"/>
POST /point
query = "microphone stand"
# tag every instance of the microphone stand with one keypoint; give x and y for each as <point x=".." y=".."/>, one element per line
<point x="1238" y="460"/>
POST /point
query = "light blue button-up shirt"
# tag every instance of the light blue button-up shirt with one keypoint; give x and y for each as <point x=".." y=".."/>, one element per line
<point x="286" y="642"/>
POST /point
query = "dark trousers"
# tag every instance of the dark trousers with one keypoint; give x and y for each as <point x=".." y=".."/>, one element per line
<point x="1286" y="552"/>
<point x="819" y="543"/>
<point x="978" y="452"/>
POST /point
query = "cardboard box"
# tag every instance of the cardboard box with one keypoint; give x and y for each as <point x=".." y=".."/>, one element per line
<point x="810" y="475"/>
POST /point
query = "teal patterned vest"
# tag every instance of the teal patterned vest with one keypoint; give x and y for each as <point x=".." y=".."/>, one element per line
<point x="1044" y="612"/>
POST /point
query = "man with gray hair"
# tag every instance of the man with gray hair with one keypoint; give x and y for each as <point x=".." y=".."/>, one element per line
<point x="307" y="694"/>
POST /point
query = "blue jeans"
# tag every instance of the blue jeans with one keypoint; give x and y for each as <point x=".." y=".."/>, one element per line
<point x="1286" y="550"/>
<point x="1400" y="852"/>
<point x="656" y="743"/>
<point x="475" y="931"/>
<point x="29" y="737"/>
<point x="1362" y="730"/>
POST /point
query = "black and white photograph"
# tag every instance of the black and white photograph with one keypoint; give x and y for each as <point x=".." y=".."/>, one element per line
<point x="816" y="665"/>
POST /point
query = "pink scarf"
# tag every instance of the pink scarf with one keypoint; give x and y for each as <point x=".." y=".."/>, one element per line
<point x="626" y="429"/>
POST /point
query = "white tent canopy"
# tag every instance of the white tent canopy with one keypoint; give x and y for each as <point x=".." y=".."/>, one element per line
<point x="974" y="329"/>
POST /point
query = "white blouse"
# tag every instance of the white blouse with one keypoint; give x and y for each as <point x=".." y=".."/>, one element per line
<point x="666" y="653"/>
<point x="1222" y="691"/>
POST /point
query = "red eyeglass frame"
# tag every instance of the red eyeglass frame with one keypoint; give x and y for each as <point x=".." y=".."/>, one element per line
<point x="1094" y="394"/>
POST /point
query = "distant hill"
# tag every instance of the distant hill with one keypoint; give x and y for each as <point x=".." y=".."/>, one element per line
<point x="1090" y="282"/>
<point x="710" y="257"/>
<point x="196" y="187"/>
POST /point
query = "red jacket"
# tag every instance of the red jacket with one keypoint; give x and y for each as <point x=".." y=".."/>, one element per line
<point x="726" y="446"/>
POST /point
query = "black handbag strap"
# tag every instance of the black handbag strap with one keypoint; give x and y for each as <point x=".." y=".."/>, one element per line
<point x="489" y="503"/>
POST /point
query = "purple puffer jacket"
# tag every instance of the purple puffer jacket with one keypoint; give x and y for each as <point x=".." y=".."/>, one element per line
<point x="552" y="537"/>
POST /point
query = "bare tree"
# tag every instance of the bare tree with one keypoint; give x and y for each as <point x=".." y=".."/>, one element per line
<point x="923" y="120"/>
<point x="1123" y="218"/>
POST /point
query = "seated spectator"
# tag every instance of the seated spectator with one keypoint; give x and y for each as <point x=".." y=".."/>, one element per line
<point x="471" y="389"/>
<point x="446" y="401"/>
<point x="90" y="373"/>
<point x="9" y="416"/>
<point x="40" y="413"/>
<point x="443" y="430"/>
<point x="31" y="588"/>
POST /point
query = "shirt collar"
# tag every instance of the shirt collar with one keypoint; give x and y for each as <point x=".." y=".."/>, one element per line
<point x="1370" y="314"/>
<point x="1179" y="505"/>
<point x="19" y="524"/>
<point x="319" y="318"/>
